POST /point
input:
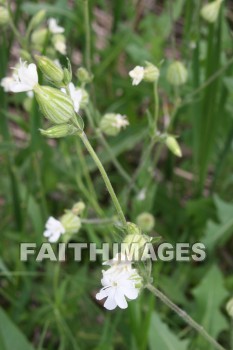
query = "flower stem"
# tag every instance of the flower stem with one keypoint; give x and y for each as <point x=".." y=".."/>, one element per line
<point x="184" y="316"/>
<point x="105" y="178"/>
<point x="88" y="35"/>
<point x="156" y="101"/>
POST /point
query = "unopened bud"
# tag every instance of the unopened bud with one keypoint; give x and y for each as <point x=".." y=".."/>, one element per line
<point x="50" y="69"/>
<point x="229" y="308"/>
<point x="58" y="131"/>
<point x="70" y="222"/>
<point x="173" y="146"/>
<point x="137" y="242"/>
<point x="84" y="76"/>
<point x="177" y="73"/>
<point x="25" y="55"/>
<point x="36" y="20"/>
<point x="54" y="104"/>
<point x="151" y="73"/>
<point x="78" y="208"/>
<point x="4" y="16"/>
<point x="146" y="222"/>
<point x="133" y="229"/>
<point x="39" y="37"/>
<point x="210" y="11"/>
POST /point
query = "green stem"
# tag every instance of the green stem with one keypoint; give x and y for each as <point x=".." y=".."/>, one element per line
<point x="156" y="101"/>
<point x="105" y="178"/>
<point x="88" y="35"/>
<point x="184" y="316"/>
<point x="118" y="166"/>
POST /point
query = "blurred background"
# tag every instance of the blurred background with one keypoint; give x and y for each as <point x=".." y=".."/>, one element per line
<point x="51" y="305"/>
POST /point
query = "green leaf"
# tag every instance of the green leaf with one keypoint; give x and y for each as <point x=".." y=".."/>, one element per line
<point x="209" y="296"/>
<point x="221" y="231"/>
<point x="10" y="336"/>
<point x="161" y="337"/>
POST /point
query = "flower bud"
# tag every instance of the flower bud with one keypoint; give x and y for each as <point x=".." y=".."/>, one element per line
<point x="137" y="242"/>
<point x="177" y="73"/>
<point x="51" y="70"/>
<point x="112" y="123"/>
<point x="84" y="76"/>
<point x="173" y="146"/>
<point x="133" y="229"/>
<point x="210" y="11"/>
<point x="229" y="308"/>
<point x="4" y="16"/>
<point x="36" y="20"/>
<point x="58" y="131"/>
<point x="78" y="208"/>
<point x="25" y="55"/>
<point x="54" y="104"/>
<point x="146" y="222"/>
<point x="151" y="73"/>
<point x="70" y="222"/>
<point x="39" y="37"/>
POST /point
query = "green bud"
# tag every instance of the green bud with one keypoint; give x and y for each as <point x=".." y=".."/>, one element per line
<point x="58" y="131"/>
<point x="51" y="70"/>
<point x="54" y="104"/>
<point x="151" y="73"/>
<point x="78" y="208"/>
<point x="84" y="76"/>
<point x="177" y="73"/>
<point x="39" y="37"/>
<point x="112" y="123"/>
<point x="173" y="146"/>
<point x="210" y="11"/>
<point x="4" y="16"/>
<point x="133" y="229"/>
<point x="70" y="222"/>
<point x="25" y="55"/>
<point x="146" y="222"/>
<point x="137" y="243"/>
<point x="36" y="20"/>
<point x="229" y="308"/>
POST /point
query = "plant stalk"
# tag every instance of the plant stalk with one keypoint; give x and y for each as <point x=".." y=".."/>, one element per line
<point x="105" y="178"/>
<point x="184" y="316"/>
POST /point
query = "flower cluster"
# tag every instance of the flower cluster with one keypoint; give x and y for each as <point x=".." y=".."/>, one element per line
<point x="120" y="282"/>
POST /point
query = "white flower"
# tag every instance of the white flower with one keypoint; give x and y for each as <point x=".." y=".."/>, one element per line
<point x="6" y="83"/>
<point x="75" y="95"/>
<point x="119" y="282"/>
<point x="120" y="121"/>
<point x="54" y="229"/>
<point x="30" y="94"/>
<point x="25" y="77"/>
<point x="141" y="196"/>
<point x="54" y="27"/>
<point x="137" y="74"/>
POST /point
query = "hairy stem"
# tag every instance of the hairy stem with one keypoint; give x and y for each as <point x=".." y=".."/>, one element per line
<point x="88" y="35"/>
<point x="105" y="178"/>
<point x="184" y="316"/>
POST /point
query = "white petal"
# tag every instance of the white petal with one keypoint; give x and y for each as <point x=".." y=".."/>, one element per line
<point x="110" y="303"/>
<point x="55" y="237"/>
<point x="103" y="293"/>
<point x="33" y="73"/>
<point x="20" y="87"/>
<point x="120" y="299"/>
<point x="131" y="293"/>
<point x="47" y="233"/>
